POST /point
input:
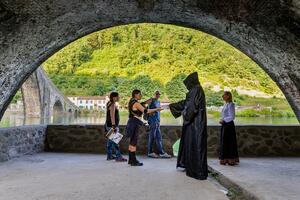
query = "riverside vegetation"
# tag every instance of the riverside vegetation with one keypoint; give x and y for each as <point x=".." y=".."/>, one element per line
<point x="156" y="56"/>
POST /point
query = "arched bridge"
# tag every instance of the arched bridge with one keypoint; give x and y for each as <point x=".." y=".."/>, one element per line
<point x="41" y="98"/>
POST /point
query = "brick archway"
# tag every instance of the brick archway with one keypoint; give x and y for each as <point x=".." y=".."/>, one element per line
<point x="268" y="32"/>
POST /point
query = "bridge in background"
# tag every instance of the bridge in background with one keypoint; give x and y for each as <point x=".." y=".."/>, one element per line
<point x="41" y="98"/>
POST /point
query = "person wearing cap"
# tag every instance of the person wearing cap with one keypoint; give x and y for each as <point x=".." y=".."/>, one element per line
<point x="154" y="132"/>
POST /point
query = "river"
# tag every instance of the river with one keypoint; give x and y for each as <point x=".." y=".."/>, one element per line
<point x="11" y="119"/>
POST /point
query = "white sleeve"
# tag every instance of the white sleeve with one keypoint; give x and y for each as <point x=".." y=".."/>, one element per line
<point x="231" y="113"/>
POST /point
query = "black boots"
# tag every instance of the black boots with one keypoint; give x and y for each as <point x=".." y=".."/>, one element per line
<point x="133" y="161"/>
<point x="129" y="158"/>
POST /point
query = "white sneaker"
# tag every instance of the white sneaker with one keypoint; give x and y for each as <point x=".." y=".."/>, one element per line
<point x="165" y="155"/>
<point x="153" y="155"/>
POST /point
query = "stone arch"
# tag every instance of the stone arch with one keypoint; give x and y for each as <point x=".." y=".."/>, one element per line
<point x="58" y="107"/>
<point x="268" y="32"/>
<point x="39" y="96"/>
<point x="57" y="111"/>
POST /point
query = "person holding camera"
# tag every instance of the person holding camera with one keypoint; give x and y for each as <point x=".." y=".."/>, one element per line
<point x="154" y="132"/>
<point x="112" y="121"/>
<point x="136" y="111"/>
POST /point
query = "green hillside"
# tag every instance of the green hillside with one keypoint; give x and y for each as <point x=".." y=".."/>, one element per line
<point x="154" y="56"/>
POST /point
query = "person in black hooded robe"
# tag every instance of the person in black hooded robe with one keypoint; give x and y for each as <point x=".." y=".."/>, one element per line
<point x="192" y="154"/>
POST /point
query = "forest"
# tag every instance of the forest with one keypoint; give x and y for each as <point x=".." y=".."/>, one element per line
<point x="153" y="57"/>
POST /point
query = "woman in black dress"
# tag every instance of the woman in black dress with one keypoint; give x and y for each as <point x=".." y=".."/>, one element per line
<point x="136" y="110"/>
<point x="228" y="142"/>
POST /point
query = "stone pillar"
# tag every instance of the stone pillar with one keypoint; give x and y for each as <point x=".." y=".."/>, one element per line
<point x="31" y="97"/>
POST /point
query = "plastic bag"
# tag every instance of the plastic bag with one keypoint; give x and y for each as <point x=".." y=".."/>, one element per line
<point x="176" y="147"/>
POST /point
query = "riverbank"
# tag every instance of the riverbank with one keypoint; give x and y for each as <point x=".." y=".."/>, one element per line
<point x="14" y="119"/>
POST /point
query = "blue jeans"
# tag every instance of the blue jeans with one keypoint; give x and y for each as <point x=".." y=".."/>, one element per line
<point x="155" y="134"/>
<point x="110" y="146"/>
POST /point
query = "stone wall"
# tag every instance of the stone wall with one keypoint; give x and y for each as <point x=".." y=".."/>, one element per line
<point x="18" y="141"/>
<point x="252" y="140"/>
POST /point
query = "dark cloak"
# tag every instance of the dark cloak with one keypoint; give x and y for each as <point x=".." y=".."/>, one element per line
<point x="192" y="154"/>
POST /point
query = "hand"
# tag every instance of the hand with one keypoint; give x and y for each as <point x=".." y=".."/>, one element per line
<point x="221" y="121"/>
<point x="159" y="109"/>
<point x="115" y="129"/>
<point x="149" y="101"/>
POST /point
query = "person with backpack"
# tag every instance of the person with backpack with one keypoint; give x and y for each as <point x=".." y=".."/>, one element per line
<point x="154" y="132"/>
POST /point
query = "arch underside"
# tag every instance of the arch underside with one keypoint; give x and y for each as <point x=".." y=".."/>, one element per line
<point x="268" y="32"/>
<point x="58" y="107"/>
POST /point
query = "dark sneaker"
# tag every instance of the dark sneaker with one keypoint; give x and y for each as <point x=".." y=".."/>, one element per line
<point x="153" y="155"/>
<point x="110" y="158"/>
<point x="121" y="159"/>
<point x="165" y="155"/>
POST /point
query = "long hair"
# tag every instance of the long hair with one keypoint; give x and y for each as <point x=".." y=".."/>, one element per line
<point x="135" y="92"/>
<point x="111" y="98"/>
<point x="229" y="95"/>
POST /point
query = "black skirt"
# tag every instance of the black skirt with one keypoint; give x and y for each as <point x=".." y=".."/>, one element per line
<point x="228" y="142"/>
<point x="133" y="129"/>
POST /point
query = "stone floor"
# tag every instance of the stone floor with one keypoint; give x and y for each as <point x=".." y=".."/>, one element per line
<point x="49" y="176"/>
<point x="266" y="178"/>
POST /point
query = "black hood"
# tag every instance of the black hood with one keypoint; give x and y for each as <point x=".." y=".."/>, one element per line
<point x="191" y="81"/>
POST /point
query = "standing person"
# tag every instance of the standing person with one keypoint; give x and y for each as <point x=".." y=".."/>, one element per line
<point x="192" y="153"/>
<point x="228" y="142"/>
<point x="136" y="111"/>
<point x="154" y="133"/>
<point x="112" y="121"/>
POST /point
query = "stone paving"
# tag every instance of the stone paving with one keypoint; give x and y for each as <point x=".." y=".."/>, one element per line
<point x="266" y="178"/>
<point x="61" y="176"/>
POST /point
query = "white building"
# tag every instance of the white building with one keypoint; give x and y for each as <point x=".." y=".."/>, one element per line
<point x="165" y="105"/>
<point x="90" y="102"/>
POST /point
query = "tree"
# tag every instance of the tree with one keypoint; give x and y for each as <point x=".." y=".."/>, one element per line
<point x="143" y="83"/>
<point x="175" y="89"/>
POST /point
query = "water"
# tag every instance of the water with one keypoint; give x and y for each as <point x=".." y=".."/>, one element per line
<point x="10" y="120"/>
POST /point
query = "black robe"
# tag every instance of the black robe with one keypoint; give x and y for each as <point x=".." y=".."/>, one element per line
<point x="192" y="153"/>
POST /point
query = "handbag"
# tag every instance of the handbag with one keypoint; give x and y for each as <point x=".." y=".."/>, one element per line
<point x="116" y="137"/>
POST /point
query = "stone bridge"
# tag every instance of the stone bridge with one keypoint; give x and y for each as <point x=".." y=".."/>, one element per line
<point x="41" y="98"/>
<point x="267" y="31"/>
